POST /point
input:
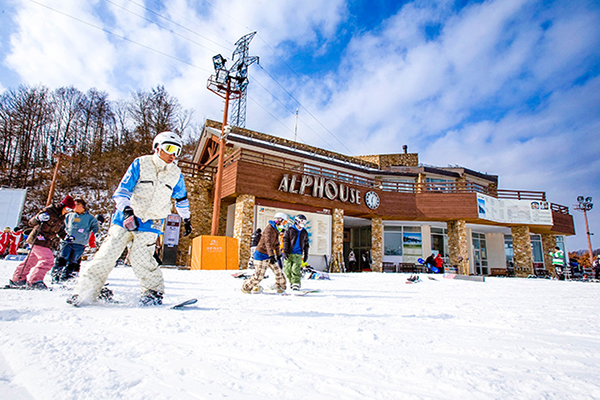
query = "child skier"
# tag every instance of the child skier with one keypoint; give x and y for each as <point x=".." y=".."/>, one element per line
<point x="266" y="255"/>
<point x="295" y="251"/>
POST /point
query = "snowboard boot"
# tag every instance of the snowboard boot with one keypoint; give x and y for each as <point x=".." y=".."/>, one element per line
<point x="58" y="270"/>
<point x="295" y="286"/>
<point x="277" y="289"/>
<point x="39" y="285"/>
<point x="151" y="298"/>
<point x="255" y="290"/>
<point x="74" y="300"/>
<point x="17" y="284"/>
<point x="106" y="295"/>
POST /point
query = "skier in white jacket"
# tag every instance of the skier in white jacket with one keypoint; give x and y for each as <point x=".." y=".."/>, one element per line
<point x="143" y="201"/>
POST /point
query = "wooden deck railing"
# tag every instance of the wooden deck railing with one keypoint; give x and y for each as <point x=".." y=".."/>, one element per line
<point x="401" y="187"/>
<point x="195" y="170"/>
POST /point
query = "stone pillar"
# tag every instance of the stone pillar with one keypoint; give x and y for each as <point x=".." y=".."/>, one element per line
<point x="337" y="240"/>
<point x="377" y="244"/>
<point x="201" y="205"/>
<point x="548" y="245"/>
<point x="242" y="226"/>
<point x="458" y="245"/>
<point x="523" y="258"/>
<point x="461" y="183"/>
<point x="421" y="183"/>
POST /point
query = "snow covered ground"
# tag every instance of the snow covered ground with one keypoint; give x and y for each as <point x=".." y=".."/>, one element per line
<point x="365" y="336"/>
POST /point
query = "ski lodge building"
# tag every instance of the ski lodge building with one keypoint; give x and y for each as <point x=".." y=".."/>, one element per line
<point x="389" y="209"/>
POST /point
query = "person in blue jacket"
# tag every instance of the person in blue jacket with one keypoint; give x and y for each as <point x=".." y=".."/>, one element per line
<point x="143" y="201"/>
<point x="295" y="251"/>
<point x="79" y="224"/>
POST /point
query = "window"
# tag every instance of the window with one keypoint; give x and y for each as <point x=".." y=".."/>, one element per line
<point x="508" y="251"/>
<point x="439" y="184"/>
<point x="403" y="241"/>
<point x="392" y="238"/>
<point x="439" y="242"/>
<point x="480" y="253"/>
<point x="536" y="250"/>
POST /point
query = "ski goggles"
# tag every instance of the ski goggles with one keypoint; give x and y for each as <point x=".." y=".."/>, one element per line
<point x="170" y="148"/>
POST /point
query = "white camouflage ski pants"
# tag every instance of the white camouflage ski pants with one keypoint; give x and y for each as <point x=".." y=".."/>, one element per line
<point x="141" y="256"/>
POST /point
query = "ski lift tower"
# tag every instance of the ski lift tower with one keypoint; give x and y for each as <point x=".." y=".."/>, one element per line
<point x="230" y="85"/>
<point x="240" y="69"/>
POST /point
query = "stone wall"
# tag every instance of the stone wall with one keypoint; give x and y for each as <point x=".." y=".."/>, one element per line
<point x="242" y="228"/>
<point x="548" y="245"/>
<point x="388" y="160"/>
<point x="458" y="246"/>
<point x="337" y="236"/>
<point x="200" y="198"/>
<point x="523" y="259"/>
<point x="377" y="244"/>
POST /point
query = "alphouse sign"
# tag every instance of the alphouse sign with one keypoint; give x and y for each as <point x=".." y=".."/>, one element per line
<point x="318" y="186"/>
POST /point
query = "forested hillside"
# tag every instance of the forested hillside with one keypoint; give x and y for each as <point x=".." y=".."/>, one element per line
<point x="97" y="137"/>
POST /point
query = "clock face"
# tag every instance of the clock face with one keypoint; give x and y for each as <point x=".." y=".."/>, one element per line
<point x="372" y="200"/>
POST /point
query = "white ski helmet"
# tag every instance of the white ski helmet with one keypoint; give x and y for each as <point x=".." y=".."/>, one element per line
<point x="300" y="220"/>
<point x="167" y="137"/>
<point x="280" y="216"/>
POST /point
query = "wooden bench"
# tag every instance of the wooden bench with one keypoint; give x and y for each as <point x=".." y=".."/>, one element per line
<point x="389" y="267"/>
<point x="498" y="272"/>
<point x="409" y="268"/>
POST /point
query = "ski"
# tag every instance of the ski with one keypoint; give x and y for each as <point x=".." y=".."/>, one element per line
<point x="49" y="289"/>
<point x="292" y="293"/>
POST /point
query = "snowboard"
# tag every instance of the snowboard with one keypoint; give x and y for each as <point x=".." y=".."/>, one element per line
<point x="183" y="304"/>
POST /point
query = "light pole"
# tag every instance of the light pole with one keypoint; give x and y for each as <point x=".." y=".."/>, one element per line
<point x="229" y="85"/>
<point x="585" y="205"/>
<point x="64" y="147"/>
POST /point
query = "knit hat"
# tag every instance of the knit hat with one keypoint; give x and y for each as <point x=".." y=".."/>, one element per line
<point x="68" y="202"/>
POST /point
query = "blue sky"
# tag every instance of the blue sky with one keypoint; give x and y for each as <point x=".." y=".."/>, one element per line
<point x="507" y="87"/>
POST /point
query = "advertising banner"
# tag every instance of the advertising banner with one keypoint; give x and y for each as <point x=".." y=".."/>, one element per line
<point x="318" y="227"/>
<point x="530" y="212"/>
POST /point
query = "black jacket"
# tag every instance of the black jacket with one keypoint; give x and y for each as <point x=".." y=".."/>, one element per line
<point x="255" y="238"/>
<point x="289" y="240"/>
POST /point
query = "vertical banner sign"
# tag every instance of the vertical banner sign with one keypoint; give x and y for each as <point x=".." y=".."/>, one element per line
<point x="171" y="239"/>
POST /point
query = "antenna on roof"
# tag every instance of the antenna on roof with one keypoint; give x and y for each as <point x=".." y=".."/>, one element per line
<point x="296" y="126"/>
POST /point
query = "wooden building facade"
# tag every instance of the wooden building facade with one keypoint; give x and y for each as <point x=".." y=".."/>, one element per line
<point x="389" y="209"/>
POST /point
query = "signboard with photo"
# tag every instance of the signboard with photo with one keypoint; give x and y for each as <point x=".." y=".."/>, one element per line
<point x="532" y="212"/>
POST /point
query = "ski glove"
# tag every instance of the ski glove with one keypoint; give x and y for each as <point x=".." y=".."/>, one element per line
<point x="272" y="260"/>
<point x="43" y="217"/>
<point x="69" y="238"/>
<point x="129" y="221"/>
<point x="187" y="225"/>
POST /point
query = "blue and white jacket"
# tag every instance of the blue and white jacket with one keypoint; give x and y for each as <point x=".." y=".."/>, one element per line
<point x="147" y="187"/>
